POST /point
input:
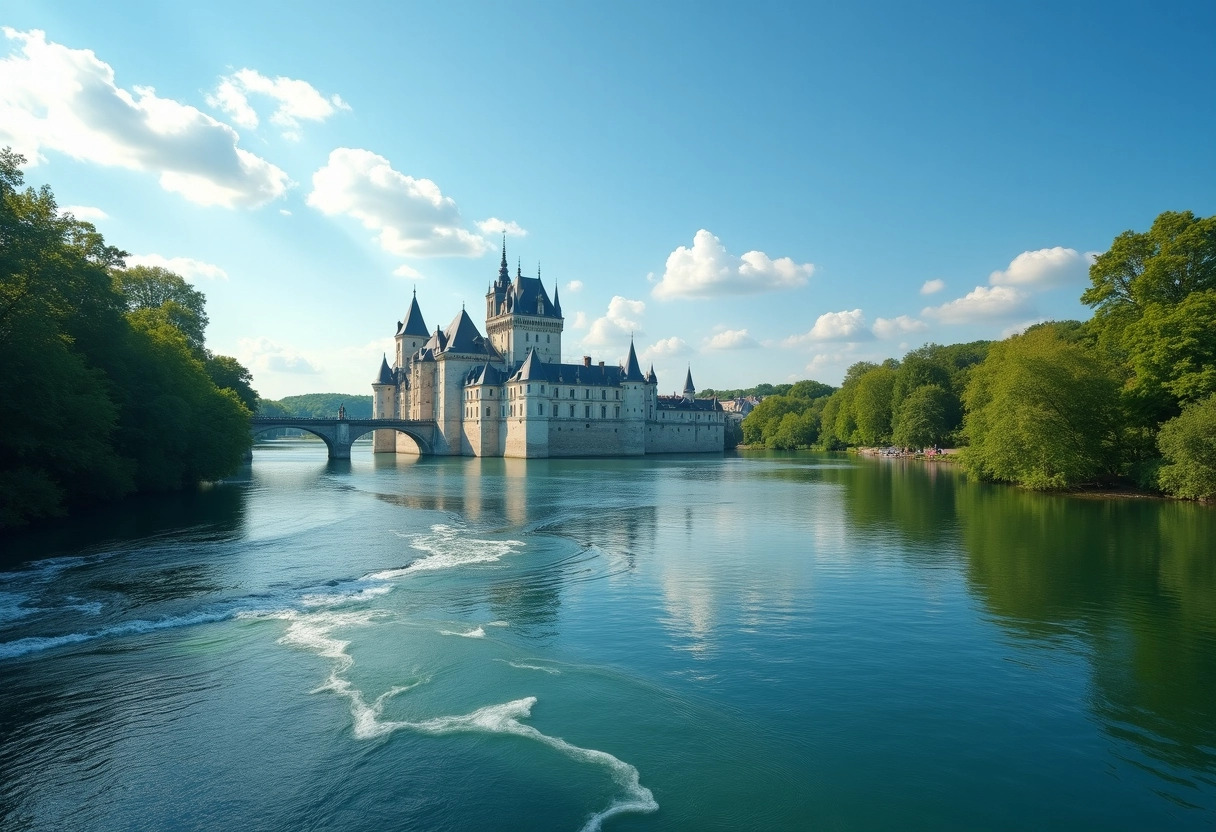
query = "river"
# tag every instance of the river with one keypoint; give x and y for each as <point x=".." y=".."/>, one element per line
<point x="757" y="641"/>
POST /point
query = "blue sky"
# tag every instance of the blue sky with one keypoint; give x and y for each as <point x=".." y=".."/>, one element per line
<point x="767" y="192"/>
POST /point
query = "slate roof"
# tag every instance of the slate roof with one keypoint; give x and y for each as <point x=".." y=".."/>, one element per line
<point x="486" y="374"/>
<point x="528" y="297"/>
<point x="462" y="336"/>
<point x="682" y="403"/>
<point x="385" y="376"/>
<point x="689" y="390"/>
<point x="414" y="325"/>
<point x="632" y="371"/>
<point x="651" y="378"/>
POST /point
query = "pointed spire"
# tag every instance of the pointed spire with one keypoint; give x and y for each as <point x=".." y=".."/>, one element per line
<point x="632" y="371"/>
<point x="385" y="376"/>
<point x="414" y="324"/>
<point x="519" y="272"/>
<point x="651" y="378"/>
<point x="690" y="392"/>
<point x="504" y="274"/>
<point x="557" y="302"/>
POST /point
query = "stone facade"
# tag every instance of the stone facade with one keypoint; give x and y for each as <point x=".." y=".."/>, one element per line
<point x="509" y="394"/>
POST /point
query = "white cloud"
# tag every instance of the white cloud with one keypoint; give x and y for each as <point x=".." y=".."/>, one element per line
<point x="412" y="216"/>
<point x="893" y="327"/>
<point x="189" y="268"/>
<point x="296" y="100"/>
<point x="620" y="322"/>
<point x="265" y="355"/>
<point x="1045" y="268"/>
<point x="731" y="339"/>
<point x="932" y="287"/>
<point x="665" y="348"/>
<point x="494" y="227"/>
<point x="408" y="271"/>
<point x="834" y="326"/>
<point x="85" y="212"/>
<point x="61" y="99"/>
<point x="574" y="286"/>
<point x="983" y="303"/>
<point x="708" y="270"/>
<point x="580" y="321"/>
<point x="285" y="212"/>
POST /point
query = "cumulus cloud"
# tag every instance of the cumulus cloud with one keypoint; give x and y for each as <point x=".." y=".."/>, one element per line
<point x="66" y="100"/>
<point x="834" y="326"/>
<point x="665" y="348"/>
<point x="296" y="100"/>
<point x="412" y="217"/>
<point x="493" y="227"/>
<point x="1045" y="268"/>
<point x="189" y="268"/>
<point x="85" y="212"/>
<point x="618" y="323"/>
<point x="709" y="270"/>
<point x="263" y="354"/>
<point x="983" y="303"/>
<point x="407" y="271"/>
<point x="932" y="287"/>
<point x="731" y="339"/>
<point x="574" y="286"/>
<point x="580" y="321"/>
<point x="894" y="327"/>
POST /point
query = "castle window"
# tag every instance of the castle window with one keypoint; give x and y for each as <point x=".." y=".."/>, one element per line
<point x="586" y="394"/>
<point x="527" y="337"/>
<point x="587" y="411"/>
<point x="540" y="409"/>
<point x="542" y="389"/>
<point x="529" y="388"/>
<point x="618" y="411"/>
<point x="548" y="340"/>
<point x="487" y="412"/>
<point x="603" y="411"/>
<point x="572" y="392"/>
<point x="616" y="394"/>
<point x="571" y="411"/>
<point x="603" y="394"/>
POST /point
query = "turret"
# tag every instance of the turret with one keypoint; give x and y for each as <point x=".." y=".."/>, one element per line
<point x="690" y="392"/>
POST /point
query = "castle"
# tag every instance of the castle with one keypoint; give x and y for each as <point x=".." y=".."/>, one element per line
<point x="509" y="394"/>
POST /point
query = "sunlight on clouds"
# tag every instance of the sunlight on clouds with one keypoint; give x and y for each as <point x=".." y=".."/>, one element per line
<point x="66" y="100"/>
<point x="731" y="339"/>
<point x="189" y="268"/>
<point x="618" y="324"/>
<point x="708" y="270"/>
<point x="1045" y="268"/>
<point x="407" y="271"/>
<point x="296" y="100"/>
<point x="265" y="355"/>
<point x="893" y="327"/>
<point x="574" y="286"/>
<point x="932" y="287"/>
<point x="665" y="348"/>
<point x="834" y="326"/>
<point x="85" y="212"/>
<point x="494" y="227"/>
<point x="412" y="217"/>
<point x="580" y="321"/>
<point x="983" y="303"/>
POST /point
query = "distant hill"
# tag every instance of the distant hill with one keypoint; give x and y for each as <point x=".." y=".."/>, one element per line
<point x="318" y="406"/>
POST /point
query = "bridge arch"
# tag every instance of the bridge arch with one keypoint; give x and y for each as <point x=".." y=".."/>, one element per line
<point x="257" y="430"/>
<point x="423" y="445"/>
<point x="339" y="434"/>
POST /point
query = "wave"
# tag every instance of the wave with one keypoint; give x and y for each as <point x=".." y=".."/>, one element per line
<point x="476" y="632"/>
<point x="521" y="666"/>
<point x="447" y="547"/>
<point x="338" y="598"/>
<point x="35" y="644"/>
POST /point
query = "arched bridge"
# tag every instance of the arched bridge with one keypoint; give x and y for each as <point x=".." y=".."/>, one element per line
<point x="339" y="434"/>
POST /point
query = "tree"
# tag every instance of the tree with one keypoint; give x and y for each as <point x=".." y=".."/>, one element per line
<point x="810" y="389"/>
<point x="872" y="405"/>
<point x="229" y="374"/>
<point x="152" y="287"/>
<point x="1188" y="443"/>
<point x="1043" y="412"/>
<point x="925" y="418"/>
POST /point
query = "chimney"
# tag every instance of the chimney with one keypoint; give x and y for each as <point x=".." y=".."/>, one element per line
<point x="601" y="365"/>
<point x="586" y="361"/>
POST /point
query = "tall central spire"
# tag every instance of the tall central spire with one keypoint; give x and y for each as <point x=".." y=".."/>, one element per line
<point x="504" y="274"/>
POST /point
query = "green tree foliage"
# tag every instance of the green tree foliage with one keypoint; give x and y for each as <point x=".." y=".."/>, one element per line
<point x="80" y="377"/>
<point x="229" y="374"/>
<point x="926" y="417"/>
<point x="872" y="405"/>
<point x="152" y="287"/>
<point x="1154" y="310"/>
<point x="1044" y="412"/>
<point x="790" y="420"/>
<point x="319" y="406"/>
<point x="1188" y="443"/>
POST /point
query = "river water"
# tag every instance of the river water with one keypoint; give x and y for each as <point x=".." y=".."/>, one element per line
<point x="761" y="641"/>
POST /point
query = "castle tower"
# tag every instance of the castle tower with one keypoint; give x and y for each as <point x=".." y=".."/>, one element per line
<point x="384" y="406"/>
<point x="520" y="317"/>
<point x="411" y="333"/>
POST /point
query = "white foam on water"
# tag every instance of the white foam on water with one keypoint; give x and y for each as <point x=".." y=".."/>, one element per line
<point x="11" y="607"/>
<point x="447" y="547"/>
<point x="521" y="666"/>
<point x="476" y="632"/>
<point x="35" y="644"/>
<point x="497" y="624"/>
<point x="338" y="598"/>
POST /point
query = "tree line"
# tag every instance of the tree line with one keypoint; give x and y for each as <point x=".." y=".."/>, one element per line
<point x="1127" y="397"/>
<point x="107" y="383"/>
